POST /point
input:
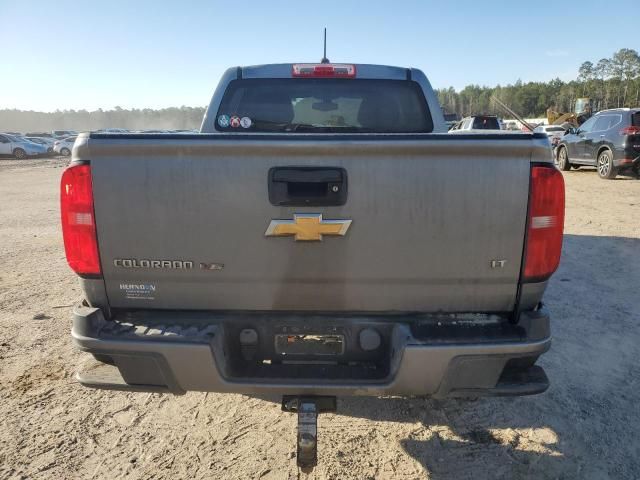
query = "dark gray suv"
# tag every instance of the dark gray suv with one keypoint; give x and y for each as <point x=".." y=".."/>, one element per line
<point x="609" y="141"/>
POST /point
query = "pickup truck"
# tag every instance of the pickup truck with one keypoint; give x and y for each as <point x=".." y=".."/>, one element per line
<point x="478" y="122"/>
<point x="322" y="236"/>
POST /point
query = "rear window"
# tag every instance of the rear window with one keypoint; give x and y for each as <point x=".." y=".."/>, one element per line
<point x="306" y="105"/>
<point x="635" y="119"/>
<point x="486" y="123"/>
<point x="555" y="129"/>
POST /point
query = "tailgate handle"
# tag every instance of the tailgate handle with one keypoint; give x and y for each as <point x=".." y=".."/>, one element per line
<point x="307" y="186"/>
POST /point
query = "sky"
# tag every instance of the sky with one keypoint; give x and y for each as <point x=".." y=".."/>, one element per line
<point x="59" y="54"/>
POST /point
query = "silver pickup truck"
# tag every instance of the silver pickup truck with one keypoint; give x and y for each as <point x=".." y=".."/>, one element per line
<point x="322" y="236"/>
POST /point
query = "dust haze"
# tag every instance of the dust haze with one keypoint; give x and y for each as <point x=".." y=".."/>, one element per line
<point x="174" y="118"/>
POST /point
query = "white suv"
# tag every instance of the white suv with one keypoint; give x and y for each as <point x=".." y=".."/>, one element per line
<point x="554" y="132"/>
<point x="64" y="146"/>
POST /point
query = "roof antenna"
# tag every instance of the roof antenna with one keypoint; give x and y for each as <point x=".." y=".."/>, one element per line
<point x="324" y="57"/>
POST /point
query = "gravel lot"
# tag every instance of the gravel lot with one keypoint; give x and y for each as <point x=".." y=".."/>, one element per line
<point x="586" y="426"/>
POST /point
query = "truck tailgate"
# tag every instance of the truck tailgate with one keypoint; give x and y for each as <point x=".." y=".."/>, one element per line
<point x="430" y="213"/>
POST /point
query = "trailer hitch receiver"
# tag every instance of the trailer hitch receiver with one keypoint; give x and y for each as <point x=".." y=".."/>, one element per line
<point x="308" y="409"/>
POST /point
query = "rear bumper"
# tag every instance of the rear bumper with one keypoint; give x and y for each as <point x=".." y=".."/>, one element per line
<point x="193" y="351"/>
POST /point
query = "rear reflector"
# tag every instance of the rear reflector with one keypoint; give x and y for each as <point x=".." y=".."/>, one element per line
<point x="324" y="70"/>
<point x="544" y="224"/>
<point x="78" y="221"/>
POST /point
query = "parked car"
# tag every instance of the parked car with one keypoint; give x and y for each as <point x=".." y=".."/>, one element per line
<point x="47" y="142"/>
<point x="510" y="125"/>
<point x="554" y="132"/>
<point x="64" y="146"/>
<point x="477" y="122"/>
<point x="39" y="134"/>
<point x="323" y="258"/>
<point x="59" y="134"/>
<point x="19" y="147"/>
<point x="112" y="130"/>
<point x="609" y="141"/>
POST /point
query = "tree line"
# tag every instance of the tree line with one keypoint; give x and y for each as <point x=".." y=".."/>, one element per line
<point x="610" y="83"/>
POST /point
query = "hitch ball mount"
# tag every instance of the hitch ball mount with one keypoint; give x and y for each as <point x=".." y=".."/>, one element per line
<point x="307" y="408"/>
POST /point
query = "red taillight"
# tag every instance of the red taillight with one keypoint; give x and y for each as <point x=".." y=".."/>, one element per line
<point x="545" y="223"/>
<point x="324" y="70"/>
<point x="78" y="221"/>
<point x="630" y="131"/>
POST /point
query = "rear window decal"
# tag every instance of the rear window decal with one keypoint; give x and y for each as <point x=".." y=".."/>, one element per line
<point x="223" y="121"/>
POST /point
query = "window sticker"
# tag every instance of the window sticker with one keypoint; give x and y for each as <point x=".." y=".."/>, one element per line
<point x="223" y="121"/>
<point x="138" y="291"/>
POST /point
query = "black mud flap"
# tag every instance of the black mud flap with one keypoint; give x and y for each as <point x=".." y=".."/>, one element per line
<point x="512" y="383"/>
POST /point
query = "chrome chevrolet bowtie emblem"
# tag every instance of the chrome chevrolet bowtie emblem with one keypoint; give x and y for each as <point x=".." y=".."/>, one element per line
<point x="307" y="227"/>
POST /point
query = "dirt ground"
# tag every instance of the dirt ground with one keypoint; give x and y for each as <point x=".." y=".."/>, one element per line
<point x="586" y="426"/>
